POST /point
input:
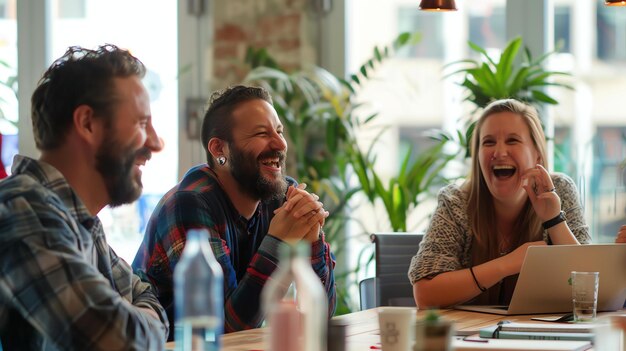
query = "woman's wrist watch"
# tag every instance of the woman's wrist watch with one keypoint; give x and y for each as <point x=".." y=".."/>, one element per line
<point x="554" y="221"/>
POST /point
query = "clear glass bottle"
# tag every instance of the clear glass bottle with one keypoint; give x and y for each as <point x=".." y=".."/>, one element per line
<point x="198" y="296"/>
<point x="295" y="304"/>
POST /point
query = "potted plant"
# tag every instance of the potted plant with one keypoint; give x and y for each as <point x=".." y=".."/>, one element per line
<point x="433" y="333"/>
<point x="509" y="76"/>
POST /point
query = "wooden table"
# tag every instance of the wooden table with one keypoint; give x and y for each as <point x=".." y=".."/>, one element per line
<point x="363" y="332"/>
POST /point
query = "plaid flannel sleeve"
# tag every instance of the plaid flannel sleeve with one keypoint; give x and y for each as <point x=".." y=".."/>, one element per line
<point x="156" y="260"/>
<point x="243" y="308"/>
<point x="48" y="282"/>
<point x="133" y="289"/>
<point x="242" y="299"/>
<point x="323" y="263"/>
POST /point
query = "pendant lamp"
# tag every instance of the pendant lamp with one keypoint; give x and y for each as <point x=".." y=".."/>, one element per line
<point x="437" y="5"/>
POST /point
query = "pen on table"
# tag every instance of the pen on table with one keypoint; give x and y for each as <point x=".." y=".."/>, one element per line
<point x="467" y="338"/>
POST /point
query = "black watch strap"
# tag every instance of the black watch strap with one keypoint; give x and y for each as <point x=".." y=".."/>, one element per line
<point x="554" y="221"/>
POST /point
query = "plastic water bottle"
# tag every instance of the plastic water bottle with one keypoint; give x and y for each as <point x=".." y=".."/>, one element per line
<point x="295" y="304"/>
<point x="198" y="296"/>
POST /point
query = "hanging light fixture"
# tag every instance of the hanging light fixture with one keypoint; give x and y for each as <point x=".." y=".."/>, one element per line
<point x="615" y="2"/>
<point x="438" y="5"/>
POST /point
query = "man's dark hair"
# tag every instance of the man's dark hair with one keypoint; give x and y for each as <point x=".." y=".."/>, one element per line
<point x="80" y="77"/>
<point x="217" y="121"/>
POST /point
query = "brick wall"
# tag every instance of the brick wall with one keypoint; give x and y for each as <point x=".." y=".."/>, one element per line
<point x="283" y="27"/>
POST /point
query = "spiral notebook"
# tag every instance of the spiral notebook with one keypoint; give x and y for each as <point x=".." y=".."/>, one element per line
<point x="520" y="345"/>
<point x="543" y="287"/>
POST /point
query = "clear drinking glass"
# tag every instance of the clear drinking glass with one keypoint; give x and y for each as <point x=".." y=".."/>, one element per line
<point x="585" y="295"/>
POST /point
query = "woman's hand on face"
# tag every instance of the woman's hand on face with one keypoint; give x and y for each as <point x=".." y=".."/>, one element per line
<point x="541" y="192"/>
<point x="515" y="259"/>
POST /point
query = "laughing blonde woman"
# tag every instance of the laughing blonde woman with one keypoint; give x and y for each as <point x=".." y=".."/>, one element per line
<point x="475" y="245"/>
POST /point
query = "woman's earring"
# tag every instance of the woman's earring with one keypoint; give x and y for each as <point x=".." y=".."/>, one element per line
<point x="221" y="160"/>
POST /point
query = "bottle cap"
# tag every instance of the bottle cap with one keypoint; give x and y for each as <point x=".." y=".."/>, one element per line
<point x="336" y="335"/>
<point x="294" y="249"/>
<point x="284" y="251"/>
<point x="201" y="234"/>
<point x="303" y="249"/>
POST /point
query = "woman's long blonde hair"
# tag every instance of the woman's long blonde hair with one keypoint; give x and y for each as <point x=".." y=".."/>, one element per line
<point x="480" y="205"/>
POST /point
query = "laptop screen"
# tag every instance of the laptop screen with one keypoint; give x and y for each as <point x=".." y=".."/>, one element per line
<point x="543" y="283"/>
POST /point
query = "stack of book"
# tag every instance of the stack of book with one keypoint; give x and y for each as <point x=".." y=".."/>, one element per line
<point x="466" y="344"/>
<point x="530" y="336"/>
<point x="538" y="331"/>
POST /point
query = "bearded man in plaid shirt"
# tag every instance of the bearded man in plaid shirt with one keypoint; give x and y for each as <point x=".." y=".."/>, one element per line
<point x="245" y="201"/>
<point x="62" y="286"/>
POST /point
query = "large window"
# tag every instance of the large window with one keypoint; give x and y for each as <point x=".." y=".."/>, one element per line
<point x="8" y="84"/>
<point x="590" y="142"/>
<point x="153" y="38"/>
<point x="487" y="24"/>
<point x="411" y="96"/>
<point x="562" y="25"/>
<point x="409" y="91"/>
<point x="411" y="19"/>
<point x="608" y="181"/>
<point x="611" y="32"/>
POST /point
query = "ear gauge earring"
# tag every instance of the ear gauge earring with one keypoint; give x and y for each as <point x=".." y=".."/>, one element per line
<point x="221" y="160"/>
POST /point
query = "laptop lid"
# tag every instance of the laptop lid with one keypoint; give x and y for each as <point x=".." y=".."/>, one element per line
<point x="543" y="287"/>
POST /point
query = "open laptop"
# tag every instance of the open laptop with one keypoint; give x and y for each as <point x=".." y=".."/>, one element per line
<point x="543" y="287"/>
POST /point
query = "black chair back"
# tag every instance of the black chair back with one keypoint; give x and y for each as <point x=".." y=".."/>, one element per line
<point x="393" y="253"/>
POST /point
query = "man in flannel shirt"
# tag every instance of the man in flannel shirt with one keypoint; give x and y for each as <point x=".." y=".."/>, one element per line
<point x="62" y="287"/>
<point x="248" y="205"/>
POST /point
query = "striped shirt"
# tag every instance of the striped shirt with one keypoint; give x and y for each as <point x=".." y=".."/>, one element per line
<point x="248" y="255"/>
<point x="62" y="286"/>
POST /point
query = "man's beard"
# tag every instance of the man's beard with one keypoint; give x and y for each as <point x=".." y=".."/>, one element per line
<point x="116" y="167"/>
<point x="245" y="169"/>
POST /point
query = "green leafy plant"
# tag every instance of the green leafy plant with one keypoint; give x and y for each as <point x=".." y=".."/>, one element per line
<point x="408" y="188"/>
<point x="487" y="80"/>
<point x="318" y="112"/>
<point x="509" y="76"/>
<point x="432" y="316"/>
<point x="314" y="100"/>
<point x="8" y="87"/>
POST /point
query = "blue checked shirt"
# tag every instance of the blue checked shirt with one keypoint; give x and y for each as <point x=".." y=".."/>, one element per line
<point x="62" y="287"/>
